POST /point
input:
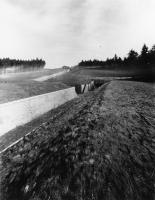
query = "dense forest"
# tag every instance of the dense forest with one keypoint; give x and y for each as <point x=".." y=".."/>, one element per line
<point x="7" y="62"/>
<point x="146" y="57"/>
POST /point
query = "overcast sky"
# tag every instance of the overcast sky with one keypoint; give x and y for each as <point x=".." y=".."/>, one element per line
<point x="63" y="32"/>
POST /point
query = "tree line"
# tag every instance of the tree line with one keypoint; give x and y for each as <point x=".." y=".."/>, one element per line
<point x="7" y="62"/>
<point x="146" y="57"/>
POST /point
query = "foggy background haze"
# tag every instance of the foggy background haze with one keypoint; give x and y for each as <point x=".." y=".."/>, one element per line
<point x="63" y="32"/>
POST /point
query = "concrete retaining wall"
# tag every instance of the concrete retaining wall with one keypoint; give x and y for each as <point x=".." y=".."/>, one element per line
<point x="19" y="112"/>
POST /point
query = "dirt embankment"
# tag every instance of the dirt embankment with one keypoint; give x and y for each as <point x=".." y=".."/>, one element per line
<point x="101" y="145"/>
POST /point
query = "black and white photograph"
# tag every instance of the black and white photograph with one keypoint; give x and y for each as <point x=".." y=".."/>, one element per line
<point x="77" y="99"/>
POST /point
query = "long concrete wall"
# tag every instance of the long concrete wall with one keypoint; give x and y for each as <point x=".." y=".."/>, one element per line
<point x="19" y="112"/>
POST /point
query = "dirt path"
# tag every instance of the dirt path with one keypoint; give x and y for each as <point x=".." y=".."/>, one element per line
<point x="100" y="145"/>
<point x="44" y="78"/>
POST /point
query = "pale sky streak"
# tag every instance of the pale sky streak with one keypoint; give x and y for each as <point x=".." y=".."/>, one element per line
<point x="63" y="32"/>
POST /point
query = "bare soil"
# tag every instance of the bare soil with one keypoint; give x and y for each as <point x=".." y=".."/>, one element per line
<point x="98" y="146"/>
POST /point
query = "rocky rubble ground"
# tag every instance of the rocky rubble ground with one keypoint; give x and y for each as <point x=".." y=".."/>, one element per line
<point x="98" y="146"/>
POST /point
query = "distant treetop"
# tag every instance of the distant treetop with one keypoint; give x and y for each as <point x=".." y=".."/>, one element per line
<point x="7" y="62"/>
<point x="146" y="57"/>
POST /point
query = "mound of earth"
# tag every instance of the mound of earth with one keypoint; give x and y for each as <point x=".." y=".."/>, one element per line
<point x="98" y="146"/>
